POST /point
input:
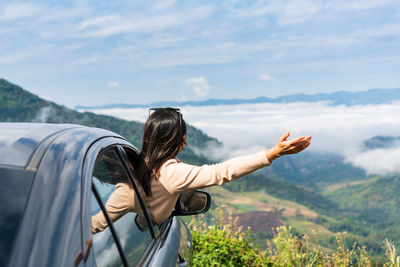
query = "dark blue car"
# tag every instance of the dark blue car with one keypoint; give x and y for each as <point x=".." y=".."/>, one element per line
<point x="55" y="177"/>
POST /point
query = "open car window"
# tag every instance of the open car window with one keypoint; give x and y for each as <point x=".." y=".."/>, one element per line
<point x="121" y="204"/>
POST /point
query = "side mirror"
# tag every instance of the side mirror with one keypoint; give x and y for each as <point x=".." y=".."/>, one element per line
<point x="192" y="203"/>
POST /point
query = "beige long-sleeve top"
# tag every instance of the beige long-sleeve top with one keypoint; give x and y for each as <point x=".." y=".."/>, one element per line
<point x="175" y="177"/>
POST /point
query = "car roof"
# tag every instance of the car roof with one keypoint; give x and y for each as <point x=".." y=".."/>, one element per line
<point x="18" y="141"/>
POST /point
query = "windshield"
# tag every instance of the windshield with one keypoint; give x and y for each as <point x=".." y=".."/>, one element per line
<point x="14" y="190"/>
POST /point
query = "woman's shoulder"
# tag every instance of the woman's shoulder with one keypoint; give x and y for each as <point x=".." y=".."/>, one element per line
<point x="169" y="162"/>
<point x="169" y="167"/>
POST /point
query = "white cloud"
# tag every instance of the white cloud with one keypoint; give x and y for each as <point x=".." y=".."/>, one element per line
<point x="357" y="5"/>
<point x="99" y="21"/>
<point x="163" y="4"/>
<point x="77" y="11"/>
<point x="377" y="161"/>
<point x="19" y="11"/>
<point x="200" y="85"/>
<point x="113" y="84"/>
<point x="337" y="129"/>
<point x="390" y="29"/>
<point x="90" y="60"/>
<point x="26" y="53"/>
<point x="253" y="127"/>
<point x="279" y="55"/>
<point x="286" y="12"/>
<point x="299" y="11"/>
<point x="118" y="24"/>
<point x="266" y="77"/>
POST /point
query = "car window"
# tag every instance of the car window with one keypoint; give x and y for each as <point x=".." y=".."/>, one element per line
<point x="105" y="249"/>
<point x="14" y="190"/>
<point x="118" y="197"/>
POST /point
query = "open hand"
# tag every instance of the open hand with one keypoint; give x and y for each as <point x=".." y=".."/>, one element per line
<point x="284" y="146"/>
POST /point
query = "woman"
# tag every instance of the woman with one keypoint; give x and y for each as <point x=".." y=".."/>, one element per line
<point x="163" y="177"/>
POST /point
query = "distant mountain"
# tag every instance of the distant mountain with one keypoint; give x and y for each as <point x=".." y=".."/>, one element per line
<point x="374" y="203"/>
<point x="372" y="96"/>
<point x="368" y="209"/>
<point x="381" y="142"/>
<point x="317" y="170"/>
<point x="19" y="105"/>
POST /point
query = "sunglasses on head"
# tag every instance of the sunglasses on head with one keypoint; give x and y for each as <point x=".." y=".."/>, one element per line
<point x="178" y="110"/>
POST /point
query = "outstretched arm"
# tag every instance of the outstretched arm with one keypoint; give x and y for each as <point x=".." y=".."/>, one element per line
<point x="178" y="177"/>
<point x="284" y="146"/>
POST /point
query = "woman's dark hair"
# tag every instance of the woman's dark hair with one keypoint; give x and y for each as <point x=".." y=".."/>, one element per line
<point x="162" y="139"/>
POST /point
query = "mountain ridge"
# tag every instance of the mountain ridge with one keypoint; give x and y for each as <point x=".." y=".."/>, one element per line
<point x="19" y="105"/>
<point x="348" y="98"/>
<point x="289" y="180"/>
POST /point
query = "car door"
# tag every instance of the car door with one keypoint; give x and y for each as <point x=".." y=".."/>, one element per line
<point x="173" y="245"/>
<point x="119" y="242"/>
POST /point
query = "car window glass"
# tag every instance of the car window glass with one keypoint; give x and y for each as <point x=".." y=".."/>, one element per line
<point x="14" y="190"/>
<point x="118" y="197"/>
<point x="105" y="249"/>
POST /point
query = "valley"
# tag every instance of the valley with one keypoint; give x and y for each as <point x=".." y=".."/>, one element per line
<point x="315" y="193"/>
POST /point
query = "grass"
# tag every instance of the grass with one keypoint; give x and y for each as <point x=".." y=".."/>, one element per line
<point x="258" y="200"/>
<point x="244" y="207"/>
<point x="327" y="189"/>
<point x="225" y="244"/>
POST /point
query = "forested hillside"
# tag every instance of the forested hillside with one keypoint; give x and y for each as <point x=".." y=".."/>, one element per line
<point x="375" y="202"/>
<point x="290" y="191"/>
<point x="18" y="105"/>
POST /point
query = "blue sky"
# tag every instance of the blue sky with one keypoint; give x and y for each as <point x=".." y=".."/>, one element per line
<point x="98" y="52"/>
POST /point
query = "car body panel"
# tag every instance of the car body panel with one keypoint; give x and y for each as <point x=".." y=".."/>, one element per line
<point x="56" y="224"/>
<point x="54" y="205"/>
<point x="18" y="141"/>
<point x="173" y="245"/>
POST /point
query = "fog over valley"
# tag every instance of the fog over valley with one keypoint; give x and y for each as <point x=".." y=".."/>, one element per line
<point x="336" y="129"/>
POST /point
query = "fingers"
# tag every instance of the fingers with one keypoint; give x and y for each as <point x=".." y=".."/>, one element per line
<point x="300" y="143"/>
<point x="305" y="140"/>
<point x="284" y="137"/>
<point x="305" y="143"/>
<point x="297" y="140"/>
<point x="300" y="139"/>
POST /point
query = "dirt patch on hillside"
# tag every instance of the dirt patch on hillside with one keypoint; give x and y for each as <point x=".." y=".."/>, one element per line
<point x="259" y="220"/>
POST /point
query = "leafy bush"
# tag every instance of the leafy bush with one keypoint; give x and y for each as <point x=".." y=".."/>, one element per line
<point x="391" y="254"/>
<point x="225" y="244"/>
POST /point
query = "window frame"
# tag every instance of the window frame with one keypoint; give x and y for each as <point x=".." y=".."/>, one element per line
<point x="124" y="158"/>
<point x="154" y="230"/>
<point x="110" y="226"/>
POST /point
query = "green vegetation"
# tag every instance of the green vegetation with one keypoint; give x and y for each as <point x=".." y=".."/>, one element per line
<point x="373" y="209"/>
<point x="367" y="208"/>
<point x="18" y="105"/>
<point x="317" y="170"/>
<point x="244" y="207"/>
<point x="227" y="245"/>
<point x="278" y="187"/>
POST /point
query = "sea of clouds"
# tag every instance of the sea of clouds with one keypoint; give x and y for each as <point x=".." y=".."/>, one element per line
<point x="251" y="127"/>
